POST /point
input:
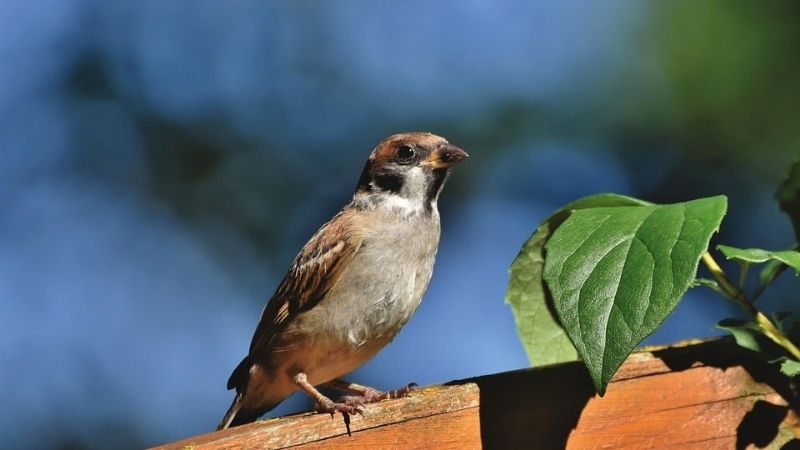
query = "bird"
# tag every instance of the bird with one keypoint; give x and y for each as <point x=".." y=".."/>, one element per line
<point x="352" y="286"/>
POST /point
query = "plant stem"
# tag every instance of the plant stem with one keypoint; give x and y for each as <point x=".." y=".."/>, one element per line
<point x="766" y="325"/>
<point x="731" y="291"/>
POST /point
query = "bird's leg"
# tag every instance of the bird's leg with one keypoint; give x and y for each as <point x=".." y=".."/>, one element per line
<point x="367" y="394"/>
<point x="322" y="403"/>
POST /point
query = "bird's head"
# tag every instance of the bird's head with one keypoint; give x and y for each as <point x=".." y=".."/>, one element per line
<point x="409" y="169"/>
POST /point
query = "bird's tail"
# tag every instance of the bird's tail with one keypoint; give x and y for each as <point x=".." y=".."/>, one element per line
<point x="235" y="415"/>
<point x="238" y="379"/>
<point x="240" y="414"/>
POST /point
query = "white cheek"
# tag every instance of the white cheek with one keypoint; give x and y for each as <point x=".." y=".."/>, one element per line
<point x="398" y="202"/>
<point x="415" y="182"/>
<point x="410" y="198"/>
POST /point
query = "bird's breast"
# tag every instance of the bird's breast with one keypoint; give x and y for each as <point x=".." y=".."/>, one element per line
<point x="386" y="280"/>
<point x="375" y="296"/>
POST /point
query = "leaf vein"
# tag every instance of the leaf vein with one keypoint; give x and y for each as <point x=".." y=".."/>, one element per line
<point x="606" y="354"/>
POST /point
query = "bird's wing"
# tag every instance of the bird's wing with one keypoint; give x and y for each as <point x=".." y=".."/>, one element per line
<point x="313" y="272"/>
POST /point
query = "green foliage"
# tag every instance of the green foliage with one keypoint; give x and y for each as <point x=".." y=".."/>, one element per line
<point x="756" y="255"/>
<point x="750" y="335"/>
<point x="745" y="332"/>
<point x="542" y="336"/>
<point x="728" y="54"/>
<point x="605" y="271"/>
<point x="790" y="367"/>
<point x="777" y="262"/>
<point x="616" y="273"/>
<point x="767" y="275"/>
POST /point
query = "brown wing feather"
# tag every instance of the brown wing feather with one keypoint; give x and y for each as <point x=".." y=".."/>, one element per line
<point x="312" y="273"/>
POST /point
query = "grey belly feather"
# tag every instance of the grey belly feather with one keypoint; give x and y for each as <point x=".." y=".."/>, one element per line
<point x="363" y="311"/>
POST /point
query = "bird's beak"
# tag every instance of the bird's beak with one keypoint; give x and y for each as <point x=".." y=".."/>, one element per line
<point x="445" y="156"/>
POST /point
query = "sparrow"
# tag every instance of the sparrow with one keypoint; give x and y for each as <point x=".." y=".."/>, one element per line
<point x="353" y="285"/>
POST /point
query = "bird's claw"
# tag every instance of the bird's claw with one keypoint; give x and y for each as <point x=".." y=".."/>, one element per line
<point x="353" y="400"/>
<point x="403" y="391"/>
<point x="332" y="407"/>
<point x="374" y="395"/>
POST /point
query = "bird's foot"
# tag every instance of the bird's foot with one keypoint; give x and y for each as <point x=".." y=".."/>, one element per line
<point x="371" y="395"/>
<point x="329" y="406"/>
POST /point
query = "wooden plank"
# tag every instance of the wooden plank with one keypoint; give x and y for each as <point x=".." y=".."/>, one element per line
<point x="434" y="403"/>
<point x="454" y="430"/>
<point x="705" y="395"/>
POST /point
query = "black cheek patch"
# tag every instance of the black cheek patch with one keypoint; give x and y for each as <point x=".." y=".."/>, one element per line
<point x="364" y="179"/>
<point x="434" y="186"/>
<point x="389" y="181"/>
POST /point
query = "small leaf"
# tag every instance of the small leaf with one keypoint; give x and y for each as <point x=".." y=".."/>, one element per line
<point x="707" y="282"/>
<point x="756" y="255"/>
<point x="743" y="332"/>
<point x="616" y="273"/>
<point x="539" y="330"/>
<point x="788" y="195"/>
<point x="778" y="317"/>
<point x="767" y="275"/>
<point x="790" y="367"/>
<point x="777" y="262"/>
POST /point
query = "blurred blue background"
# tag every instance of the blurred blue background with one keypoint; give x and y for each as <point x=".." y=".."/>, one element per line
<point x="163" y="161"/>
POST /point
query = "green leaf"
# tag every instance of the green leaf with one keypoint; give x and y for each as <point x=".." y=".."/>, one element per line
<point x="616" y="273"/>
<point x="767" y="275"/>
<point x="756" y="255"/>
<point x="788" y="195"/>
<point x="777" y="262"/>
<point x="711" y="284"/>
<point x="539" y="330"/>
<point x="744" y="332"/>
<point x="790" y="367"/>
<point x="778" y="317"/>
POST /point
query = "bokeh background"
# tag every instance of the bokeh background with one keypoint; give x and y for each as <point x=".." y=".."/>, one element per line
<point x="163" y="161"/>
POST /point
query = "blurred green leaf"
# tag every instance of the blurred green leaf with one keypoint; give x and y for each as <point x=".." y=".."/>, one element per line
<point x="790" y="367"/>
<point x="539" y="330"/>
<point x="778" y="317"/>
<point x="729" y="54"/>
<point x="789" y="196"/>
<point x="616" y="273"/>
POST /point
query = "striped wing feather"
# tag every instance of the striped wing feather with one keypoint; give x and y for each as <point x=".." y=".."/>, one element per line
<point x="312" y="273"/>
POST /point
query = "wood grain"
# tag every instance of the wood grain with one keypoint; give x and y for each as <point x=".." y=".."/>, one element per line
<point x="705" y="395"/>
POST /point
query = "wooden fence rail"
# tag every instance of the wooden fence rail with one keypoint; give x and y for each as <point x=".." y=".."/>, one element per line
<point x="702" y="395"/>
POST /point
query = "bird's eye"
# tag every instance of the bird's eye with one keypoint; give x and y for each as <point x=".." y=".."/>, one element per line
<point x="405" y="154"/>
